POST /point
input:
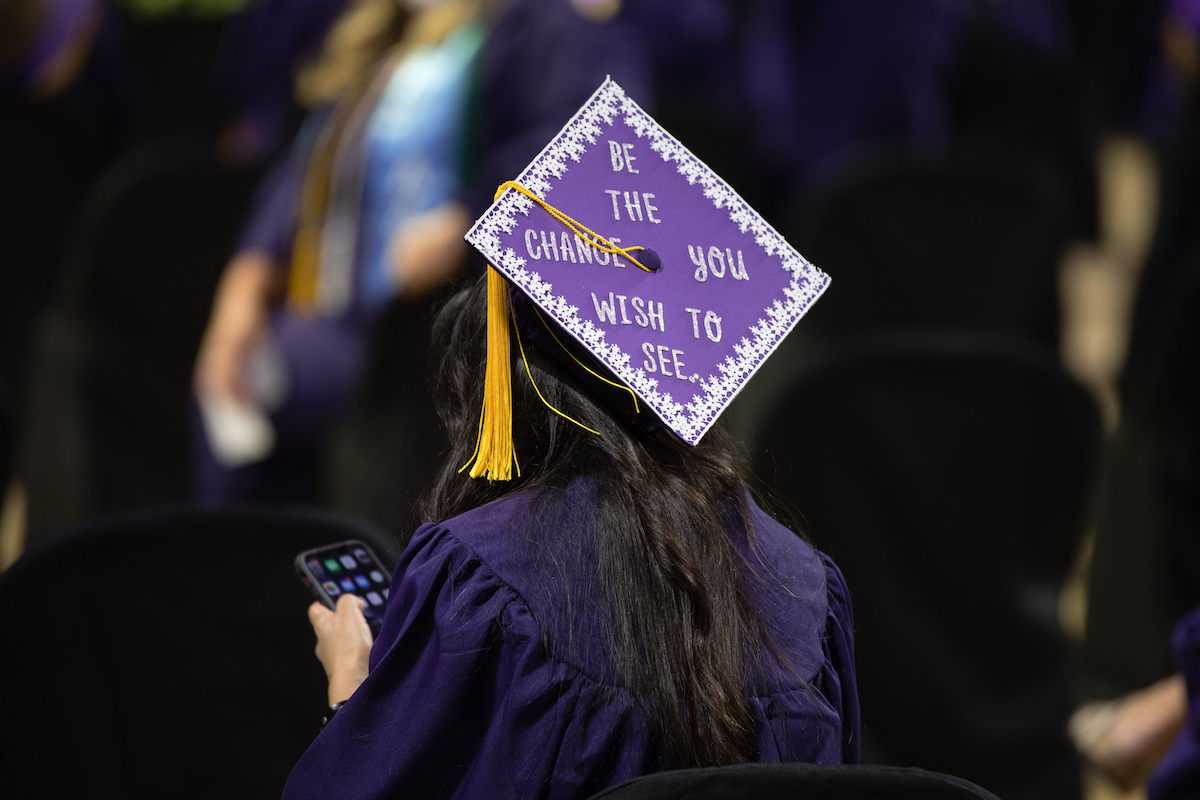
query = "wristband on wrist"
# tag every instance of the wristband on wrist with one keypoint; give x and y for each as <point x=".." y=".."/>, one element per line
<point x="329" y="712"/>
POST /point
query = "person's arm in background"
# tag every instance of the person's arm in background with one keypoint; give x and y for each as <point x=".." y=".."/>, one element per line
<point x="429" y="250"/>
<point x="249" y="287"/>
<point x="239" y="318"/>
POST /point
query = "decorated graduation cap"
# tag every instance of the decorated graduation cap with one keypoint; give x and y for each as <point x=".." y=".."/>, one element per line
<point x="627" y="259"/>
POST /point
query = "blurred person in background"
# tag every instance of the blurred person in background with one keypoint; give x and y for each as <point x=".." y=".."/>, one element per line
<point x="823" y="79"/>
<point x="771" y="93"/>
<point x="364" y="211"/>
<point x="545" y="58"/>
<point x="255" y="65"/>
<point x="1141" y="642"/>
<point x="45" y="44"/>
<point x="66" y="110"/>
<point x="1165" y="111"/>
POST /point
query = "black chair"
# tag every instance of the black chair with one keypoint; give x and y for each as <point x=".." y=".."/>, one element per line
<point x="141" y="271"/>
<point x="796" y="782"/>
<point x="163" y="654"/>
<point x="948" y="478"/>
<point x="970" y="240"/>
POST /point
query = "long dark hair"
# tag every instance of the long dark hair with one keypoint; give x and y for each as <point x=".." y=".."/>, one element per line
<point x="681" y="623"/>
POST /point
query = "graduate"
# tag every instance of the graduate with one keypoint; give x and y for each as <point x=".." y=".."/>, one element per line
<point x="363" y="212"/>
<point x="597" y="595"/>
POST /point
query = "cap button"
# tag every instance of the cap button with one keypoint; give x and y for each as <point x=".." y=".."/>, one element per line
<point x="650" y="260"/>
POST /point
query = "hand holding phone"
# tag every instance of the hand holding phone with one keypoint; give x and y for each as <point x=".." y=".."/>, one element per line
<point x="351" y="587"/>
<point x="343" y="645"/>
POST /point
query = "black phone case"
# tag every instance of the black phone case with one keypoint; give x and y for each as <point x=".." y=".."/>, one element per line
<point x="314" y="586"/>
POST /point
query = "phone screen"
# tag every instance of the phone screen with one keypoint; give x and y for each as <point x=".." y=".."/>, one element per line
<point x="347" y="568"/>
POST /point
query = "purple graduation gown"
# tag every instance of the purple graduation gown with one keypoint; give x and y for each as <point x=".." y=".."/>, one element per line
<point x="491" y="677"/>
<point x="1177" y="776"/>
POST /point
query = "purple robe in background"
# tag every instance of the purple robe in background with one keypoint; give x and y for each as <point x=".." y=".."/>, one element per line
<point x="822" y="77"/>
<point x="274" y="212"/>
<point x="1186" y="13"/>
<point x="544" y="59"/>
<point x="261" y="49"/>
<point x="492" y="677"/>
<point x="542" y="62"/>
<point x="1177" y="776"/>
<point x="63" y="23"/>
<point x="1164" y="90"/>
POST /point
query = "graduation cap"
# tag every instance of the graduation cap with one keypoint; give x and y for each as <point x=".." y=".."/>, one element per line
<point x="625" y="257"/>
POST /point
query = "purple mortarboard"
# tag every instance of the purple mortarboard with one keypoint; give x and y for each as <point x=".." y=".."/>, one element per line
<point x="641" y="262"/>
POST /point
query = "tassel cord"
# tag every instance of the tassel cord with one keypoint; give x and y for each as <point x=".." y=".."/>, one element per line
<point x="579" y="229"/>
<point x="539" y="391"/>
<point x="494" y="456"/>
<point x="594" y="374"/>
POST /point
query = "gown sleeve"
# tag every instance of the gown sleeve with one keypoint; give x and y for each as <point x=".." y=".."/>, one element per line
<point x="271" y="225"/>
<point x="839" y="646"/>
<point x="415" y="725"/>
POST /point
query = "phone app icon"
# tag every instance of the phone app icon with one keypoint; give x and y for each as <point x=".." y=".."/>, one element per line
<point x="332" y="588"/>
<point x="374" y="599"/>
<point x="314" y="566"/>
<point x="377" y="576"/>
<point x="362" y="556"/>
<point x="348" y="562"/>
<point x="385" y="591"/>
<point x="333" y="565"/>
<point x="362" y="581"/>
<point x="347" y="584"/>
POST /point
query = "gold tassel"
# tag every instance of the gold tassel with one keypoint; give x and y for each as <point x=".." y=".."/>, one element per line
<point x="494" y="457"/>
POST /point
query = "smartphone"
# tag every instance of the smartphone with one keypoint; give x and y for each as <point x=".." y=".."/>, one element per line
<point x="346" y="568"/>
